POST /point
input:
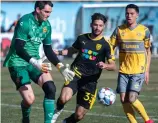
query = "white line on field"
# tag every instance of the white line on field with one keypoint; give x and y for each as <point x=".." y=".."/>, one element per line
<point x="90" y="114"/>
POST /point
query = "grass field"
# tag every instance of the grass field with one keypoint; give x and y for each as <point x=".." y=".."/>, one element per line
<point x="10" y="100"/>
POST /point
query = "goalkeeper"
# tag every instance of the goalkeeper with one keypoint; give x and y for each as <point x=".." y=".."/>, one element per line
<point x="24" y="62"/>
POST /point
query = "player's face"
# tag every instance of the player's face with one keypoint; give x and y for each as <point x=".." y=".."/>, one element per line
<point x="97" y="27"/>
<point x="44" y="13"/>
<point x="131" y="16"/>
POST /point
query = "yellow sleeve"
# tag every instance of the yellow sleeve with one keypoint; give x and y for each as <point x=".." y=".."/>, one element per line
<point x="113" y="38"/>
<point x="147" y="42"/>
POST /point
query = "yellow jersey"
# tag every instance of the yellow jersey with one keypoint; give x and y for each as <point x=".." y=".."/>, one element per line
<point x="132" y="45"/>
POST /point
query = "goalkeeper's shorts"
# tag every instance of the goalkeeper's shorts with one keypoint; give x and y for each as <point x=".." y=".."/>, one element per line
<point x="21" y="75"/>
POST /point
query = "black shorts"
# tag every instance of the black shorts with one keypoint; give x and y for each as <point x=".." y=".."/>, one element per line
<point x="85" y="89"/>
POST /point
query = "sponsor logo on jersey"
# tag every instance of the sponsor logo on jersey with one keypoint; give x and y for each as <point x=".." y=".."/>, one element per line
<point x="89" y="54"/>
<point x="98" y="46"/>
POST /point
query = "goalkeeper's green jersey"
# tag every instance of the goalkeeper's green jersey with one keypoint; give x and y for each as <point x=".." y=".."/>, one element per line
<point x="34" y="33"/>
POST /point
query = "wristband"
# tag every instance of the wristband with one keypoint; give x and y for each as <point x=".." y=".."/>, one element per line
<point x="60" y="52"/>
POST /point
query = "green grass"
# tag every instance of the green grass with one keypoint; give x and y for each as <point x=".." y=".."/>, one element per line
<point x="10" y="100"/>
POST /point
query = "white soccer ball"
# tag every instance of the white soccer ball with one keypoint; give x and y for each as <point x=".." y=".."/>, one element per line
<point x="106" y="96"/>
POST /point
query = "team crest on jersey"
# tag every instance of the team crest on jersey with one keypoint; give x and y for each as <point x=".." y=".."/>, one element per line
<point x="139" y="34"/>
<point x="123" y="34"/>
<point x="45" y="29"/>
<point x="98" y="46"/>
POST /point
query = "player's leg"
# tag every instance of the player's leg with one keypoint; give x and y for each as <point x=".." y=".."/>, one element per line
<point x="77" y="116"/>
<point x="127" y="107"/>
<point x="122" y="87"/>
<point x="28" y="99"/>
<point x="44" y="80"/>
<point x="21" y="79"/>
<point x="65" y="96"/>
<point x="136" y="85"/>
<point x="85" y="99"/>
<point x="68" y="90"/>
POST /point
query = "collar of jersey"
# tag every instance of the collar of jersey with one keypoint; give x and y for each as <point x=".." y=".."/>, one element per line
<point x="130" y="28"/>
<point x="95" y="39"/>
<point x="35" y="19"/>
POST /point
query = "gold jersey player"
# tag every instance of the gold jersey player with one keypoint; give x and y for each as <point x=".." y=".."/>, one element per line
<point x="92" y="50"/>
<point x="133" y="41"/>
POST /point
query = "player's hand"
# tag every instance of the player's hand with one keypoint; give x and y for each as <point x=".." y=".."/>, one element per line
<point x="66" y="72"/>
<point x="102" y="65"/>
<point x="147" y="77"/>
<point x="44" y="67"/>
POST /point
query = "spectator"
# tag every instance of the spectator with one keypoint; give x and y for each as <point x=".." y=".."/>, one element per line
<point x="11" y="28"/>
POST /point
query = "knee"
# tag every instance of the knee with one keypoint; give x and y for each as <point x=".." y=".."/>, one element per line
<point x="79" y="115"/>
<point x="29" y="101"/>
<point x="65" y="98"/>
<point x="49" y="89"/>
<point x="132" y="97"/>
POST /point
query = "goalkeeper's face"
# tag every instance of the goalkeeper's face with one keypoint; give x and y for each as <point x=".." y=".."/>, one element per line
<point x="97" y="27"/>
<point x="44" y="13"/>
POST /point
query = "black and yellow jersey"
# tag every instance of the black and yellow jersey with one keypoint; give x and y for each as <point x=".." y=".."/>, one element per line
<point x="132" y="44"/>
<point x="90" y="52"/>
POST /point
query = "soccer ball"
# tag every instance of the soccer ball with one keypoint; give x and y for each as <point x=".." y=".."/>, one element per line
<point x="106" y="96"/>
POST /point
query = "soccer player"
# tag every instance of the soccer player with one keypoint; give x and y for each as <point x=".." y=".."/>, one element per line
<point x="93" y="50"/>
<point x="24" y="62"/>
<point x="133" y="40"/>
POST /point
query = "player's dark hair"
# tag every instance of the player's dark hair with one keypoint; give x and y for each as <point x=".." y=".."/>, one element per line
<point x="41" y="4"/>
<point x="98" y="16"/>
<point x="133" y="6"/>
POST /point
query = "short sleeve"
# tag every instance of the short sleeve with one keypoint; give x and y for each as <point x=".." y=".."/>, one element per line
<point x="147" y="42"/>
<point x="109" y="52"/>
<point x="77" y="44"/>
<point x="21" y="30"/>
<point x="113" y="38"/>
<point x="47" y="40"/>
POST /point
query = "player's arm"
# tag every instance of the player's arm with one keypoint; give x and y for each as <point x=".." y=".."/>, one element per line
<point x="19" y="47"/>
<point x="50" y="54"/>
<point x="147" y="45"/>
<point x="64" y="70"/>
<point x="68" y="51"/>
<point x="110" y="65"/>
<point x="71" y="50"/>
<point x="21" y="38"/>
<point x="114" y="39"/>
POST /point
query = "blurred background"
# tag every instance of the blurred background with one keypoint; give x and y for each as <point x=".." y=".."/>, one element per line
<point x="69" y="19"/>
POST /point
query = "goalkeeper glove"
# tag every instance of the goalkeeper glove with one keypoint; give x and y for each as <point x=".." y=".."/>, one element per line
<point x="66" y="72"/>
<point x="44" y="67"/>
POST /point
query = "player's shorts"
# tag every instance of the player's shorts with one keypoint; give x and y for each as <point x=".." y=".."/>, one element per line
<point x="130" y="82"/>
<point x="21" y="75"/>
<point x="85" y="89"/>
